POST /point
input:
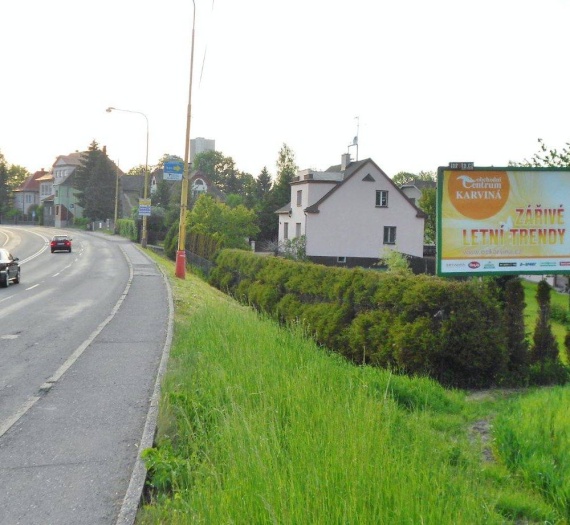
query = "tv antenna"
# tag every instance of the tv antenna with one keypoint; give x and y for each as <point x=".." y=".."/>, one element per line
<point x="355" y="139"/>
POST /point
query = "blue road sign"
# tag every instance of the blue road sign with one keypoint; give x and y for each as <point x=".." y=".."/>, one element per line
<point x="173" y="170"/>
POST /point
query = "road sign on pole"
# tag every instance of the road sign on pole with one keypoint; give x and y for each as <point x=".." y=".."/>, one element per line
<point x="173" y="170"/>
<point x="144" y="207"/>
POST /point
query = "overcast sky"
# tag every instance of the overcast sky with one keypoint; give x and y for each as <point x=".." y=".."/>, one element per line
<point x="430" y="81"/>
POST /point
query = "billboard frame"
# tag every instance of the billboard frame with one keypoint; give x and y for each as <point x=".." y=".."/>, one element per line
<point x="514" y="269"/>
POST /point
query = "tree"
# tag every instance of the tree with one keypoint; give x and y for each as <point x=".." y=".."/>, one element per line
<point x="547" y="157"/>
<point x="263" y="184"/>
<point x="427" y="203"/>
<point x="95" y="182"/>
<point x="403" y="177"/>
<point x="4" y="188"/>
<point x="17" y="175"/>
<point x="286" y="171"/>
<point x="167" y="157"/>
<point x="517" y="345"/>
<point x="219" y="169"/>
<point x="232" y="226"/>
<point x="545" y="347"/>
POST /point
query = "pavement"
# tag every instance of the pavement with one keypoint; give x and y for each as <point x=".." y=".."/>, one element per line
<point x="74" y="458"/>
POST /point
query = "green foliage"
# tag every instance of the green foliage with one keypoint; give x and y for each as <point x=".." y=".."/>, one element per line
<point x="171" y="241"/>
<point x="4" y="188"/>
<point x="268" y="429"/>
<point x="17" y="175"/>
<point x="232" y="226"/>
<point x="547" y="157"/>
<point x="450" y="330"/>
<point x="286" y="171"/>
<point x="517" y="344"/>
<point x="295" y="249"/>
<point x="95" y="181"/>
<point x="427" y="203"/>
<point x="545" y="347"/>
<point x="532" y="439"/>
<point x="396" y="262"/>
<point x="127" y="228"/>
<point x="404" y="177"/>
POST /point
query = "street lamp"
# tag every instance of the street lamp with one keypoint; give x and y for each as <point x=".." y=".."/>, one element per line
<point x="180" y="270"/>
<point x="144" y="236"/>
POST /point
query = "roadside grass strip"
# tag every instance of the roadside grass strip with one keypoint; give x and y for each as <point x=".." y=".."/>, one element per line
<point x="258" y="424"/>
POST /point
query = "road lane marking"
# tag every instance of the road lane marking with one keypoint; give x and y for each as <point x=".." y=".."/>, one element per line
<point x="6" y="425"/>
<point x="32" y="287"/>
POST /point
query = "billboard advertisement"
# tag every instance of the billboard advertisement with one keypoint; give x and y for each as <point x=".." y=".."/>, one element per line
<point x="510" y="220"/>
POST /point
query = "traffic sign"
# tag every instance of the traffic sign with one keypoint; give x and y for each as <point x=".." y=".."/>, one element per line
<point x="144" y="207"/>
<point x="173" y="170"/>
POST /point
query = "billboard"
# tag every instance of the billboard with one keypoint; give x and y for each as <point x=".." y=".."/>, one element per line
<point x="493" y="221"/>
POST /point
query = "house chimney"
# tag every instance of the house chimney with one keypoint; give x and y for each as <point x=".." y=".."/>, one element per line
<point x="344" y="161"/>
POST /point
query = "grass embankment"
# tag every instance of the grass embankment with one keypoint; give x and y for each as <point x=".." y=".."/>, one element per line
<point x="259" y="425"/>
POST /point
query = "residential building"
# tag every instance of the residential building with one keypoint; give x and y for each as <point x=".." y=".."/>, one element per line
<point x="28" y="194"/>
<point x="414" y="189"/>
<point x="350" y="214"/>
<point x="66" y="208"/>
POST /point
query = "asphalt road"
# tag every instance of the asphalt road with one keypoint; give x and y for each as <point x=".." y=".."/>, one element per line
<point x="84" y="339"/>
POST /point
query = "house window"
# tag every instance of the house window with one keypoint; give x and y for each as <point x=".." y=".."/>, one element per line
<point x="341" y="260"/>
<point x="299" y="197"/>
<point x="285" y="230"/>
<point x="298" y="229"/>
<point x="381" y="199"/>
<point x="389" y="234"/>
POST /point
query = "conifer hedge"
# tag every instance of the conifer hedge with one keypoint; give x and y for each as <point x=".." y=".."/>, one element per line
<point x="450" y="330"/>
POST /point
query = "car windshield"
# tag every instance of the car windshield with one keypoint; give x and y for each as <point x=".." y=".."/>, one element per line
<point x="60" y="238"/>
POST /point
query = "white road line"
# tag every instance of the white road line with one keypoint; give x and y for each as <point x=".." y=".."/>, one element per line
<point x="32" y="287"/>
<point x="4" y="427"/>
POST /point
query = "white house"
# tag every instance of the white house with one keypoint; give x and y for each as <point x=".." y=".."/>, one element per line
<point x="350" y="213"/>
<point x="414" y="189"/>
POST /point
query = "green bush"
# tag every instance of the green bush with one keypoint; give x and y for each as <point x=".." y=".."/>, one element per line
<point x="127" y="228"/>
<point x="452" y="331"/>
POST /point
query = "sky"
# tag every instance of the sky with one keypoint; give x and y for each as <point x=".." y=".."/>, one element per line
<point x="420" y="83"/>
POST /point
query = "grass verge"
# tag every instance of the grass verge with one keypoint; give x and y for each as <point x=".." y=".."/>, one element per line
<point x="259" y="425"/>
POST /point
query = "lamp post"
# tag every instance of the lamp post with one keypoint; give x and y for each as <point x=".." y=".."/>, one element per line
<point x="180" y="270"/>
<point x="144" y="235"/>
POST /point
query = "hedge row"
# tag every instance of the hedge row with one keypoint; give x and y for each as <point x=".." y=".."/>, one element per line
<point x="127" y="228"/>
<point x="450" y="330"/>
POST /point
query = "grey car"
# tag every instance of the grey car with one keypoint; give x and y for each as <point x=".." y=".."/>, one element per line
<point x="9" y="268"/>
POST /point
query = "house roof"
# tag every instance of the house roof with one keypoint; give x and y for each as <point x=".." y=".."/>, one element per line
<point x="31" y="183"/>
<point x="420" y="184"/>
<point x="73" y="159"/>
<point x="349" y="172"/>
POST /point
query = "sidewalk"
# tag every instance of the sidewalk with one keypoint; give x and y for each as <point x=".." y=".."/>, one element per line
<point x="95" y="420"/>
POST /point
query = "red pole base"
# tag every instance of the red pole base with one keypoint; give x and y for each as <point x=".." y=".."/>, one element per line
<point x="180" y="264"/>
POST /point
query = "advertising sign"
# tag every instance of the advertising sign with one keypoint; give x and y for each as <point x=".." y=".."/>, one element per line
<point x="503" y="220"/>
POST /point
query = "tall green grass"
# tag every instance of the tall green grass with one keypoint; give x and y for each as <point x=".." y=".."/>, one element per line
<point x="533" y="438"/>
<point x="259" y="425"/>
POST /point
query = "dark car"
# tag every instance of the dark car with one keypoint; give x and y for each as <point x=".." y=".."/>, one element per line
<point x="61" y="243"/>
<point x="9" y="268"/>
